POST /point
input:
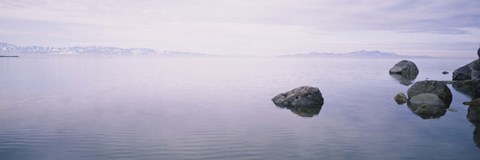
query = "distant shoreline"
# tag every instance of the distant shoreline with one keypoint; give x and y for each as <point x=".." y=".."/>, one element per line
<point x="10" y="56"/>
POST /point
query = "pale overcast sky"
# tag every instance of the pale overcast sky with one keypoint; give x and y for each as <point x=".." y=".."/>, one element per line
<point x="448" y="28"/>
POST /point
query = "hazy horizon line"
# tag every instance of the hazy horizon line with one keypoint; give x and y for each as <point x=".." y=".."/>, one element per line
<point x="291" y="55"/>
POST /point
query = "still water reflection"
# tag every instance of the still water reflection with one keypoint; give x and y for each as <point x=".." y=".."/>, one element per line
<point x="154" y="108"/>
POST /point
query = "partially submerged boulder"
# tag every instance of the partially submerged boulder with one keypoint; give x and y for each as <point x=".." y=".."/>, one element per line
<point x="404" y="67"/>
<point x="474" y="103"/>
<point x="437" y="88"/>
<point x="466" y="79"/>
<point x="404" y="71"/>
<point x="468" y="72"/>
<point x="467" y="87"/>
<point x="305" y="101"/>
<point x="429" y="99"/>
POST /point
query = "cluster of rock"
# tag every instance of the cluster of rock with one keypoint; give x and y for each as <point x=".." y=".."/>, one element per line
<point x="430" y="98"/>
<point x="427" y="99"/>
<point x="304" y="101"/>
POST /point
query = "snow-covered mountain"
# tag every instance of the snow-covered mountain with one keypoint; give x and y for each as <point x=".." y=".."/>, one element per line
<point x="355" y="54"/>
<point x="10" y="49"/>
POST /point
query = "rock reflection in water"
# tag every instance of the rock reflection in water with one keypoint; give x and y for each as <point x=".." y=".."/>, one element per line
<point x="467" y="87"/>
<point x="305" y="111"/>
<point x="428" y="111"/>
<point x="472" y="89"/>
<point x="404" y="79"/>
<point x="473" y="116"/>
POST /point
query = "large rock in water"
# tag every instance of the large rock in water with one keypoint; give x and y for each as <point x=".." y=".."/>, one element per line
<point x="429" y="99"/>
<point x="304" y="101"/>
<point x="466" y="79"/>
<point x="404" y="71"/>
<point x="437" y="88"/>
<point x="467" y="72"/>
<point x="404" y="67"/>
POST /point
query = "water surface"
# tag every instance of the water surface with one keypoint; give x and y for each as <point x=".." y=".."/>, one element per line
<point x="157" y="108"/>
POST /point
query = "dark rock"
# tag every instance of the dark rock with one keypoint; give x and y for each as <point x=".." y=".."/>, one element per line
<point x="404" y="67"/>
<point x="465" y="72"/>
<point x="429" y="99"/>
<point x="437" y="88"/>
<point x="405" y="72"/>
<point x="473" y="115"/>
<point x="301" y="96"/>
<point x="478" y="53"/>
<point x="474" y="103"/>
<point x="304" y="101"/>
<point x="468" y="87"/>
<point x="444" y="72"/>
<point x="400" y="98"/>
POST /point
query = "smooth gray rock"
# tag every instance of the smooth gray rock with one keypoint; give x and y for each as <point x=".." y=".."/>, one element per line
<point x="400" y="98"/>
<point x="437" y="88"/>
<point x="465" y="72"/>
<point x="430" y="111"/>
<point x="404" y="67"/>
<point x="299" y="97"/>
<point x="428" y="99"/>
<point x="427" y="106"/>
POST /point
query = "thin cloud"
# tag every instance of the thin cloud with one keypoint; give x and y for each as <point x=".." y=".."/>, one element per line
<point x="245" y="27"/>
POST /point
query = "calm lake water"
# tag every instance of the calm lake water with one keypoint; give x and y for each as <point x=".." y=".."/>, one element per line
<point x="156" y="108"/>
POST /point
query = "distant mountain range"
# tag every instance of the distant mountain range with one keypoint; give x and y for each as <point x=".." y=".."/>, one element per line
<point x="7" y="49"/>
<point x="10" y="49"/>
<point x="355" y="54"/>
